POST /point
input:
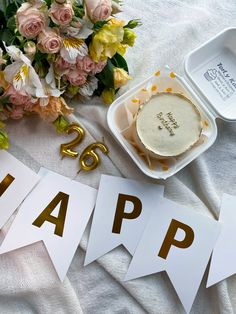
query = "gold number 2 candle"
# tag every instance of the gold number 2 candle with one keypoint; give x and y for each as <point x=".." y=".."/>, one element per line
<point x="67" y="148"/>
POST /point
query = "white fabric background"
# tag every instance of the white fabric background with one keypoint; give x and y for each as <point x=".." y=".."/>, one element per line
<point x="28" y="284"/>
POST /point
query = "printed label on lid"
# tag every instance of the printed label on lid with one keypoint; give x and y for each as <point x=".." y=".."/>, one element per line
<point x="217" y="80"/>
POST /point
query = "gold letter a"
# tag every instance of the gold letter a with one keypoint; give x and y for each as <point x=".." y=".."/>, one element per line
<point x="46" y="214"/>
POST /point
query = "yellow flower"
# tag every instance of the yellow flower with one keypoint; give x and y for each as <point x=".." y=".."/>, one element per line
<point x="116" y="22"/>
<point x="108" y="95"/>
<point x="108" y="41"/>
<point x="129" y="37"/>
<point x="121" y="77"/>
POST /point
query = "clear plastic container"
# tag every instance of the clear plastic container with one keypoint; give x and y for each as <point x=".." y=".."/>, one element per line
<point x="210" y="84"/>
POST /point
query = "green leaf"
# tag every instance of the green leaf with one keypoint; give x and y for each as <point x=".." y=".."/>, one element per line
<point x="78" y="10"/>
<point x="7" y="36"/>
<point x="52" y="24"/>
<point x="100" y="89"/>
<point x="107" y="75"/>
<point x="11" y="10"/>
<point x="11" y="23"/>
<point x="120" y="62"/>
<point x="48" y="2"/>
<point x="3" y="5"/>
<point x="19" y="2"/>
<point x="4" y="100"/>
<point x="39" y="56"/>
<point x="61" y="124"/>
<point x="98" y="25"/>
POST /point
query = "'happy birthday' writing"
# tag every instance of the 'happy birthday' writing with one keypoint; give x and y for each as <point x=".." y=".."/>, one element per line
<point x="169" y="122"/>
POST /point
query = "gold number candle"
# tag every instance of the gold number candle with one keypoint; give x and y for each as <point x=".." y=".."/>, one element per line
<point x="89" y="159"/>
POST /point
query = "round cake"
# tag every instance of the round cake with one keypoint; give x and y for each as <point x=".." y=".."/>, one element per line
<point x="168" y="125"/>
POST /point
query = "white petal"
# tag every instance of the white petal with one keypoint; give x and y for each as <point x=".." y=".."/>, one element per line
<point x="13" y="51"/>
<point x="40" y="93"/>
<point x="85" y="32"/>
<point x="50" y="78"/>
<point x="30" y="90"/>
<point x="83" y="50"/>
<point x="66" y="56"/>
<point x="56" y="93"/>
<point x="34" y="81"/>
<point x="89" y="87"/>
<point x="11" y="70"/>
<point x="18" y="85"/>
<point x="72" y="48"/>
<point x="16" y="54"/>
<point x="25" y="59"/>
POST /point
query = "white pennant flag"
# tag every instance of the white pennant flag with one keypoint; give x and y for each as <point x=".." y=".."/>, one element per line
<point x="223" y="261"/>
<point x="122" y="210"/>
<point x="16" y="181"/>
<point x="179" y="241"/>
<point x="56" y="212"/>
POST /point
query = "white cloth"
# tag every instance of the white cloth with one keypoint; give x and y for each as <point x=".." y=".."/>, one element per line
<point x="28" y="282"/>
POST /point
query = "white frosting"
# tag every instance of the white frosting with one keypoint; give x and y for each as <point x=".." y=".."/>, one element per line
<point x="168" y="125"/>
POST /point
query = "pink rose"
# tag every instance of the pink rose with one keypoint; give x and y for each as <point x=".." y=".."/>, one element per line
<point x="98" y="10"/>
<point x="61" y="14"/>
<point x="62" y="67"/>
<point x="17" y="112"/>
<point x="76" y="77"/>
<point x="63" y="64"/>
<point x="85" y="64"/>
<point x="49" y="41"/>
<point x="74" y="29"/>
<point x="17" y="98"/>
<point x="98" y="67"/>
<point x="29" y="106"/>
<point x="30" y="20"/>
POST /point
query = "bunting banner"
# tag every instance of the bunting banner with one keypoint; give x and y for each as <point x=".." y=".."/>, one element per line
<point x="56" y="212"/>
<point x="223" y="261"/>
<point x="122" y="210"/>
<point x="161" y="235"/>
<point x="16" y="181"/>
<point x="179" y="241"/>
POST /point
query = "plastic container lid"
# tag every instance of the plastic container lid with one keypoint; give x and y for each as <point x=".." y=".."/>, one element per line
<point x="212" y="70"/>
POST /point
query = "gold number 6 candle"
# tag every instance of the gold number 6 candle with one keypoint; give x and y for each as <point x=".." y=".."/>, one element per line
<point x="89" y="159"/>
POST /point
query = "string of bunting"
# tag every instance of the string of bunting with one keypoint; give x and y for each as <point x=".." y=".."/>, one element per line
<point x="161" y="235"/>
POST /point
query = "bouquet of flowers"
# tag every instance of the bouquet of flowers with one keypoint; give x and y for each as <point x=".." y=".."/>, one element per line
<point x="52" y="50"/>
